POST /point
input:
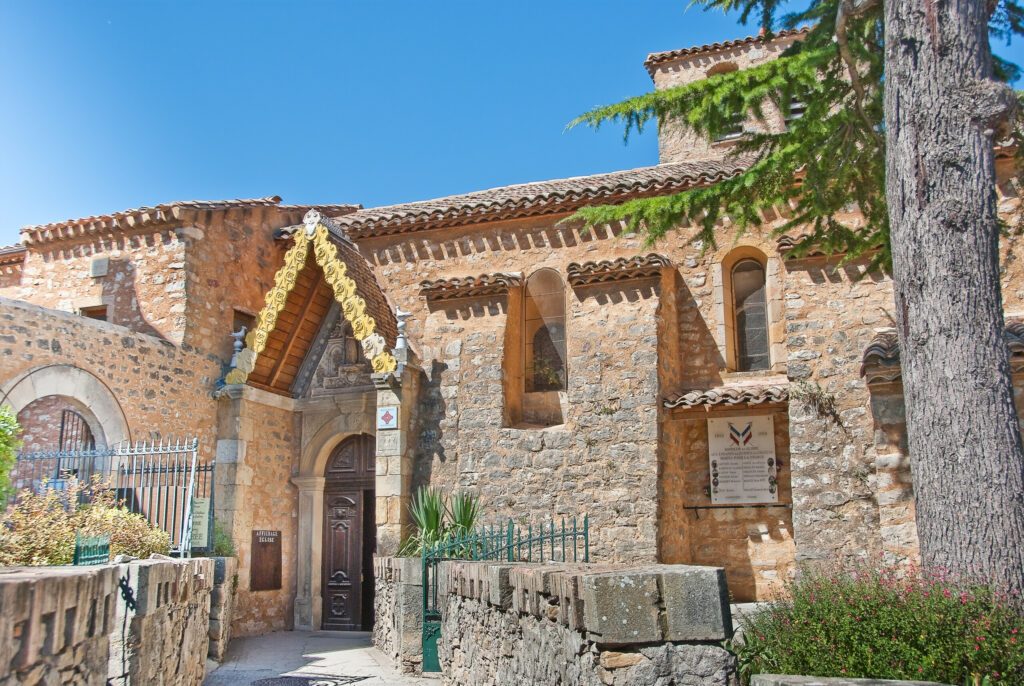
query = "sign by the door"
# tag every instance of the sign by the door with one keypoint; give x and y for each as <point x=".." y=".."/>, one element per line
<point x="741" y="452"/>
<point x="387" y="417"/>
<point x="265" y="570"/>
<point x="201" y="523"/>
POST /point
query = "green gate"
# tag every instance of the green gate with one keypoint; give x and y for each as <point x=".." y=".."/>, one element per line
<point x="510" y="543"/>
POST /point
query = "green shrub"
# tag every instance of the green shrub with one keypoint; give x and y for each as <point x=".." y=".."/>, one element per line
<point x="436" y="521"/>
<point x="223" y="546"/>
<point x="886" y="625"/>
<point x="9" y="444"/>
<point x="39" y="529"/>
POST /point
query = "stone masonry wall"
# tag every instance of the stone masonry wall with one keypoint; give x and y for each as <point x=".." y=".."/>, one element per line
<point x="55" y="625"/>
<point x="143" y="288"/>
<point x="222" y="605"/>
<point x="398" y="611"/>
<point x="143" y="622"/>
<point x="263" y="497"/>
<point x="677" y="142"/>
<point x="163" y="616"/>
<point x="754" y="545"/>
<point x="162" y="389"/>
<point x="603" y="459"/>
<point x="596" y="625"/>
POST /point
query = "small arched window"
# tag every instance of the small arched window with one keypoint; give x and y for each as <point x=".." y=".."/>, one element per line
<point x="734" y="127"/>
<point x="751" y="317"/>
<point x="544" y="332"/>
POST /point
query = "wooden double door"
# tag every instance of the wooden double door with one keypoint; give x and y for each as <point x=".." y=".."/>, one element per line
<point x="350" y="536"/>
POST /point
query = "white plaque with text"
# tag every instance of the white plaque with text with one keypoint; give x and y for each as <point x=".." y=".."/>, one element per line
<point x="741" y="452"/>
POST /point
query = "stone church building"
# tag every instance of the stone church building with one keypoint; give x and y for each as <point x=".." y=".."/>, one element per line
<point x="727" y="406"/>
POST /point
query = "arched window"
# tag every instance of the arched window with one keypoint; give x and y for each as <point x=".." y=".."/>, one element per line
<point x="544" y="332"/>
<point x="734" y="128"/>
<point x="750" y="316"/>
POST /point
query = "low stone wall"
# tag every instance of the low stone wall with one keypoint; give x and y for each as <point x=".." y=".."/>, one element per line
<point x="398" y="611"/>
<point x="55" y="624"/>
<point x="222" y="604"/>
<point x="163" y="616"/>
<point x="584" y="625"/>
<point x="143" y="622"/>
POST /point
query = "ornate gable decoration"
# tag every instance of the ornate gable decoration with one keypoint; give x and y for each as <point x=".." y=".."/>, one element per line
<point x="880" y="362"/>
<point x="730" y="395"/>
<point x="353" y="306"/>
<point x="471" y="286"/>
<point x="621" y="269"/>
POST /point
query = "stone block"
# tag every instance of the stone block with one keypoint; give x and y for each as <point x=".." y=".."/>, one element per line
<point x="696" y="602"/>
<point x="621" y="608"/>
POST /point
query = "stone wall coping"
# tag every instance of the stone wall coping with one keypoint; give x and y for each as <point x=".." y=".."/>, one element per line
<point x="615" y="604"/>
<point x="792" y="680"/>
<point x="402" y="570"/>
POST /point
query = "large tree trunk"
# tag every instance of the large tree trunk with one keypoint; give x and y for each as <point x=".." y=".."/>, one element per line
<point x="964" y="438"/>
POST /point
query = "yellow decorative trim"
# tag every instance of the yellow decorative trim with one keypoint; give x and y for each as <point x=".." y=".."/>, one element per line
<point x="344" y="288"/>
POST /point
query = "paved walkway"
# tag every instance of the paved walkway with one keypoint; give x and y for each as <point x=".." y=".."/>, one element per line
<point x="296" y="658"/>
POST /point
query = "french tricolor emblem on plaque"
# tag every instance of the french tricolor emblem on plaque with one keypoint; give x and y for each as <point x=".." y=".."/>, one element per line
<point x="738" y="436"/>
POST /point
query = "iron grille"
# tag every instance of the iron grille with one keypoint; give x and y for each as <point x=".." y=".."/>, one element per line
<point x="159" y="480"/>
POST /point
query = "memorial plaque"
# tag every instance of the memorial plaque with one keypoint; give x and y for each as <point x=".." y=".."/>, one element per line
<point x="741" y="454"/>
<point x="200" y="523"/>
<point x="265" y="571"/>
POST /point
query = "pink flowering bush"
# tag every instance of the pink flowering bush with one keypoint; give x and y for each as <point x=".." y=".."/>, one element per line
<point x="883" y="624"/>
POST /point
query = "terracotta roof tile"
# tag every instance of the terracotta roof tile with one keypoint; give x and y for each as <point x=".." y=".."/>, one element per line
<point x="166" y="212"/>
<point x="881" y="358"/>
<point x="539" y="198"/>
<point x="638" y="267"/>
<point x="657" y="58"/>
<point x="470" y="286"/>
<point x="366" y="284"/>
<point x="11" y="254"/>
<point x="731" y="395"/>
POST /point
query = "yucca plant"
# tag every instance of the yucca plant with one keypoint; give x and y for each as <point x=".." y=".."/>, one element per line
<point x="428" y="511"/>
<point x="464" y="510"/>
<point x="437" y="521"/>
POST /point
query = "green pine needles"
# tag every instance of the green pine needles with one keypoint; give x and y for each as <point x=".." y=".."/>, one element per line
<point x="825" y="169"/>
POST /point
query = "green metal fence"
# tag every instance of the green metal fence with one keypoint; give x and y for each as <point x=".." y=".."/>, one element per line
<point x="91" y="550"/>
<point x="511" y="542"/>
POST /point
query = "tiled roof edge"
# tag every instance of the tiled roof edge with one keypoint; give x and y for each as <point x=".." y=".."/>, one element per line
<point x="471" y="286"/>
<point x="730" y="395"/>
<point x="535" y="199"/>
<point x="656" y="59"/>
<point x="157" y="214"/>
<point x="622" y="268"/>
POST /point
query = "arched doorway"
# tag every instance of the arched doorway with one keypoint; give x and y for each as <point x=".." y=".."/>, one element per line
<point x="349" y="535"/>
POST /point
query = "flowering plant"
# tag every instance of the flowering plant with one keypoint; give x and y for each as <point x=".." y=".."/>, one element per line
<point x="886" y="623"/>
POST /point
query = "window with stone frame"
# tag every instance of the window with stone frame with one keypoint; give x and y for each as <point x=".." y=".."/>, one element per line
<point x="544" y="353"/>
<point x="735" y="127"/>
<point x="750" y="316"/>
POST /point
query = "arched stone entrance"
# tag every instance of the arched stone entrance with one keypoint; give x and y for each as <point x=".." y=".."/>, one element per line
<point x="85" y="392"/>
<point x="349" y="536"/>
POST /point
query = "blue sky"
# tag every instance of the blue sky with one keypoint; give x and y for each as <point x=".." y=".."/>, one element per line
<point x="111" y="105"/>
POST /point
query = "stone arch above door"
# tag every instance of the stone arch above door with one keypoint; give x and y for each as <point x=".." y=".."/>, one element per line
<point x="76" y="384"/>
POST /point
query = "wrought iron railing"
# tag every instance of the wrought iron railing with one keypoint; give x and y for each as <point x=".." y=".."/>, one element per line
<point x="511" y="542"/>
<point x="160" y="480"/>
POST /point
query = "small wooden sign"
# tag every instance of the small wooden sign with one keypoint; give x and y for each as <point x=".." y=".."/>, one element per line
<point x="265" y="570"/>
